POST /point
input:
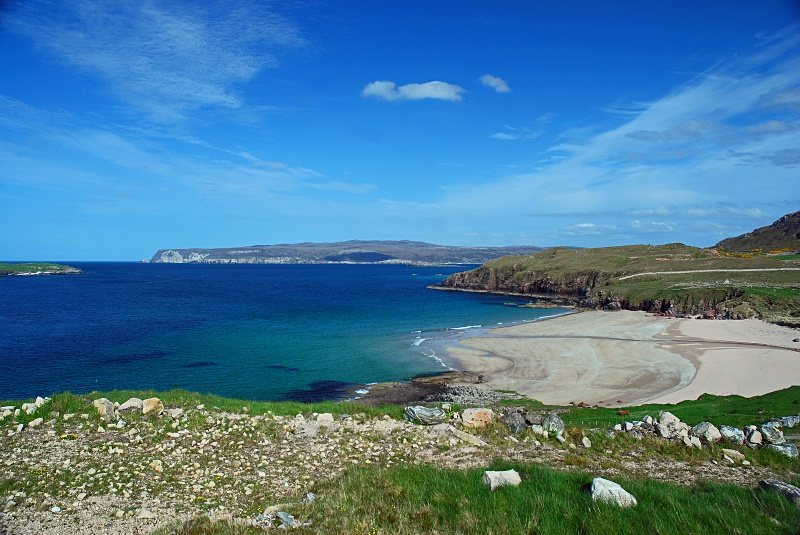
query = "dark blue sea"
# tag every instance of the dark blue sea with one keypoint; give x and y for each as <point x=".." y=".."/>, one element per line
<point x="267" y="332"/>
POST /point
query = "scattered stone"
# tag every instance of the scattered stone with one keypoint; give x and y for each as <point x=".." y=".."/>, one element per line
<point x="132" y="405"/>
<point x="537" y="429"/>
<point x="35" y="423"/>
<point x="425" y="415"/>
<point x="105" y="408"/>
<point x="772" y="434"/>
<point x="175" y="414"/>
<point x="325" y="417"/>
<point x="477" y="417"/>
<point x="515" y="422"/>
<point x="587" y="443"/>
<point x="495" y="479"/>
<point x="287" y="519"/>
<point x="790" y="492"/>
<point x="29" y="408"/>
<point x="735" y="456"/>
<point x="152" y="406"/>
<point x="790" y="421"/>
<point x="553" y="424"/>
<point x="790" y="450"/>
<point x="607" y="491"/>
<point x="732" y="434"/>
<point x="706" y="432"/>
<point x="146" y="514"/>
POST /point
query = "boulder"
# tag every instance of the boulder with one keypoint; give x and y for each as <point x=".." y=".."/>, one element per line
<point x="732" y="434"/>
<point x="132" y="405"/>
<point x="706" y="432"/>
<point x="38" y="421"/>
<point x="670" y="426"/>
<point x="553" y="424"/>
<point x="790" y="421"/>
<point x="496" y="479"/>
<point x="607" y="491"/>
<point x="424" y="415"/>
<point x="533" y="418"/>
<point x="586" y="441"/>
<point x="325" y="418"/>
<point x="754" y="438"/>
<point x="790" y="450"/>
<point x="29" y="408"/>
<point x="692" y="442"/>
<point x="515" y="422"/>
<point x="790" y="492"/>
<point x="477" y="417"/>
<point x="772" y="433"/>
<point x="105" y="408"/>
<point x="152" y="406"/>
<point x="735" y="456"/>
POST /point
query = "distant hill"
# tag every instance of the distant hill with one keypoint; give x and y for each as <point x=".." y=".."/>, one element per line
<point x="351" y="252"/>
<point x="782" y="235"/>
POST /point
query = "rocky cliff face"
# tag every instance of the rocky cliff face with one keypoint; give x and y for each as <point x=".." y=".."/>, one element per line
<point x="588" y="290"/>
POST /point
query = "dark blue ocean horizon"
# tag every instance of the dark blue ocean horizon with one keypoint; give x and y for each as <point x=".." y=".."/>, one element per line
<point x="266" y="332"/>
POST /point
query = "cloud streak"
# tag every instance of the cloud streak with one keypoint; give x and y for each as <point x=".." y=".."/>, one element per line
<point x="389" y="91"/>
<point x="165" y="60"/>
<point x="498" y="84"/>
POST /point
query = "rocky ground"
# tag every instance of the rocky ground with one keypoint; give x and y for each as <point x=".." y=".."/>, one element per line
<point x="78" y="473"/>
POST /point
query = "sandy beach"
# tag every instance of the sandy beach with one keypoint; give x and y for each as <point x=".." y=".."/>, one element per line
<point x="630" y="358"/>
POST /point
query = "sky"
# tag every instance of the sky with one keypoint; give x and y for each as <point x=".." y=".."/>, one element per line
<point x="127" y="127"/>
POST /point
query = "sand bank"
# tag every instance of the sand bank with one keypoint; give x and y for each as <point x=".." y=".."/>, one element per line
<point x="628" y="358"/>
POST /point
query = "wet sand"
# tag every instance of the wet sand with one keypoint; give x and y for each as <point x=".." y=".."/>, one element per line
<point x="629" y="358"/>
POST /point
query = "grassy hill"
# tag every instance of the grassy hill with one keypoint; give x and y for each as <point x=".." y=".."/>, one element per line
<point x="673" y="278"/>
<point x="781" y="236"/>
<point x="35" y="268"/>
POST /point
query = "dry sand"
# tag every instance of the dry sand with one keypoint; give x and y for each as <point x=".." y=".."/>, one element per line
<point x="629" y="358"/>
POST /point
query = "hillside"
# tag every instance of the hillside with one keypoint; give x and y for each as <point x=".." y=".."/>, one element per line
<point x="354" y="251"/>
<point x="672" y="279"/>
<point x="782" y="235"/>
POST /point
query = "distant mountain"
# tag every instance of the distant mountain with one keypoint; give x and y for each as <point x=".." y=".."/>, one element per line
<point x="783" y="234"/>
<point x="351" y="252"/>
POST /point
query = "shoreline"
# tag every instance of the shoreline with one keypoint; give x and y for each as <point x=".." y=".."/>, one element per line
<point x="631" y="358"/>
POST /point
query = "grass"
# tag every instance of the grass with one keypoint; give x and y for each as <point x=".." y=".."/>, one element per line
<point x="32" y="267"/>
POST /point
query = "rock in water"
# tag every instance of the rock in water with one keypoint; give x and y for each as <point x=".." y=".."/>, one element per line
<point x="515" y="422"/>
<point x="424" y="415"/>
<point x="495" y="479"/>
<point x="152" y="406"/>
<point x="732" y="434"/>
<point x="105" y="408"/>
<point x="553" y="424"/>
<point x="790" y="492"/>
<point x="607" y="491"/>
<point x="477" y="417"/>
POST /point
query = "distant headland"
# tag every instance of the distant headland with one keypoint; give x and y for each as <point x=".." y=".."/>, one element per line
<point x="36" y="268"/>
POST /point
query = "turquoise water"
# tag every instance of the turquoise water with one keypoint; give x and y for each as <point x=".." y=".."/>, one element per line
<point x="248" y="331"/>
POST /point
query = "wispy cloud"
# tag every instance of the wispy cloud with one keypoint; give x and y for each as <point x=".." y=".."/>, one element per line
<point x="386" y="90"/>
<point x="165" y="59"/>
<point x="496" y="83"/>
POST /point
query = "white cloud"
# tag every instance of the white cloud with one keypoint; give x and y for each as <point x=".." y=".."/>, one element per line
<point x="503" y="136"/>
<point x="498" y="84"/>
<point x="386" y="90"/>
<point x="166" y="59"/>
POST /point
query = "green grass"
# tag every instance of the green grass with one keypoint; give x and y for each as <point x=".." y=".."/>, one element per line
<point x="427" y="499"/>
<point x="33" y="267"/>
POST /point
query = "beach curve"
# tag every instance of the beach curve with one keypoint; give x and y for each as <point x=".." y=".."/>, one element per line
<point x="630" y="358"/>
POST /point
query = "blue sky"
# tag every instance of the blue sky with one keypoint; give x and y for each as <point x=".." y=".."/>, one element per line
<point x="131" y="126"/>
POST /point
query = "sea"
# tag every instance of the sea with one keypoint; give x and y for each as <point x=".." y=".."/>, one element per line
<point x="255" y="332"/>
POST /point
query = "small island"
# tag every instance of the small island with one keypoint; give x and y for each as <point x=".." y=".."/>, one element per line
<point x="35" y="268"/>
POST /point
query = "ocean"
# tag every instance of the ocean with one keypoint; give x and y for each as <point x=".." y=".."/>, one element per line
<point x="260" y="332"/>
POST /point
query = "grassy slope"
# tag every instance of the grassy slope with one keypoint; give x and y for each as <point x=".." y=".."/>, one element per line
<point x="427" y="499"/>
<point x="772" y="295"/>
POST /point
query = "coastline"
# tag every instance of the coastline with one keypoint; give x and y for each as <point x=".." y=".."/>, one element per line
<point x="631" y="358"/>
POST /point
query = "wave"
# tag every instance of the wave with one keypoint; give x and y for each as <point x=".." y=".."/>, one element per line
<point x="464" y="328"/>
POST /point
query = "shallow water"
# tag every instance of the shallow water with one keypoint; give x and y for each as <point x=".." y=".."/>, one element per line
<point x="249" y="331"/>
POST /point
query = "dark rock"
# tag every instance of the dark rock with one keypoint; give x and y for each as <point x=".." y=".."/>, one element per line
<point x="553" y="424"/>
<point x="790" y="492"/>
<point x="532" y="418"/>
<point x="515" y="422"/>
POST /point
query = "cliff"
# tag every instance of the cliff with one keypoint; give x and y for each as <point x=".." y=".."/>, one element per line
<point x="672" y="279"/>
